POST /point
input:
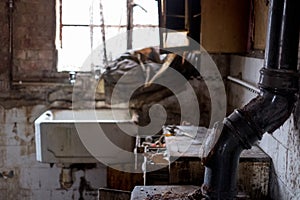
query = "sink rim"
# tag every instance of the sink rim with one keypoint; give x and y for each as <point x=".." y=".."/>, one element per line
<point x="49" y="116"/>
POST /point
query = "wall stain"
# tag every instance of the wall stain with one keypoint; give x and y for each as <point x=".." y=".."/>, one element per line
<point x="84" y="185"/>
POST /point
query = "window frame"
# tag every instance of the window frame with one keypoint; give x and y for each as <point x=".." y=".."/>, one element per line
<point x="60" y="25"/>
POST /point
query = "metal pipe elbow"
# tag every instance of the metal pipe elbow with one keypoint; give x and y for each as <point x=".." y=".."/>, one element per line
<point x="267" y="112"/>
<point x="242" y="129"/>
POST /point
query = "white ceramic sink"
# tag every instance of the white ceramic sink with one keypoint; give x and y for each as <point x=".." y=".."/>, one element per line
<point x="85" y="136"/>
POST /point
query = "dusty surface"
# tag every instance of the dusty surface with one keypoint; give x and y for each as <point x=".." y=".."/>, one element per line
<point x="166" y="192"/>
<point x="170" y="195"/>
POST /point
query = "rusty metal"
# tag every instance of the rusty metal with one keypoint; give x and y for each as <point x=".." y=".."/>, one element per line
<point x="244" y="84"/>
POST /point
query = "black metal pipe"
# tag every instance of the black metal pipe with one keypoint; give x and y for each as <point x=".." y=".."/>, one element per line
<point x="288" y="49"/>
<point x="273" y="34"/>
<point x="281" y="55"/>
<point x="281" y="46"/>
<point x="265" y="113"/>
<point x="226" y="154"/>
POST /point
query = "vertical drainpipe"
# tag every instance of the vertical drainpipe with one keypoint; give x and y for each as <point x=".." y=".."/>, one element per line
<point x="268" y="111"/>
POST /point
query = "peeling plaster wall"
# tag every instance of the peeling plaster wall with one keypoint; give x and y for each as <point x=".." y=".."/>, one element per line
<point x="283" y="146"/>
<point x="20" y="104"/>
<point x="34" y="180"/>
<point x="37" y="86"/>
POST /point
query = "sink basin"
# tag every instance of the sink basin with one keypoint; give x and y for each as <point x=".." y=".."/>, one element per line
<point x="85" y="136"/>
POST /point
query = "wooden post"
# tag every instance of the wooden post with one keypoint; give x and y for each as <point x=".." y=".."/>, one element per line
<point x="129" y="23"/>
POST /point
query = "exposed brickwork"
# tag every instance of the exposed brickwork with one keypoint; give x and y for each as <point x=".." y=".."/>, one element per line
<point x="34" y="39"/>
<point x="34" y="59"/>
<point x="4" y="51"/>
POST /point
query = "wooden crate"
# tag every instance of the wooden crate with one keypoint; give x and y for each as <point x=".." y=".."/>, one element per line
<point x="122" y="180"/>
<point x="186" y="171"/>
<point x="111" y="194"/>
<point x="254" y="173"/>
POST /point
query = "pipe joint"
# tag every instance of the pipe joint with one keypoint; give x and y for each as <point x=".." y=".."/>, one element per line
<point x="268" y="111"/>
<point x="279" y="80"/>
<point x="243" y="129"/>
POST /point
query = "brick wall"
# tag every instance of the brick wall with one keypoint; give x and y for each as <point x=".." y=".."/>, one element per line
<point x="4" y="51"/>
<point x="34" y="38"/>
<point x="35" y="83"/>
<point x="35" y="60"/>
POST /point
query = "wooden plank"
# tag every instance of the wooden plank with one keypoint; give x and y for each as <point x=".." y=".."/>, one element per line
<point x="253" y="179"/>
<point x="224" y="25"/>
<point x="122" y="180"/>
<point x="111" y="194"/>
<point x="260" y="23"/>
<point x="186" y="172"/>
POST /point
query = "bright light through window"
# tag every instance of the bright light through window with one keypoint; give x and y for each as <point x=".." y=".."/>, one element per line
<point x="79" y="29"/>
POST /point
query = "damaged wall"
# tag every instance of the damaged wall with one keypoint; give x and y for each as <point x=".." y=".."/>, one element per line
<point x="31" y="179"/>
<point x="35" y="88"/>
<point x="36" y="85"/>
<point x="283" y="146"/>
<point x="35" y="60"/>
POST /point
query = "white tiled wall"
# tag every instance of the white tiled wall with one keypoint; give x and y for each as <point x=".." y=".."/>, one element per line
<point x="283" y="146"/>
<point x="33" y="180"/>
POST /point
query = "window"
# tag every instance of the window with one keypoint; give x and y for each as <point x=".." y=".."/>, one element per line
<point x="182" y="16"/>
<point x="80" y="25"/>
